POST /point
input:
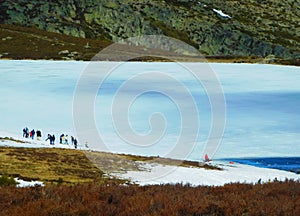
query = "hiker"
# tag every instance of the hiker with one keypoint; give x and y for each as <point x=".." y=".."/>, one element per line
<point x="38" y="135"/>
<point x="206" y="158"/>
<point x="66" y="139"/>
<point x="61" y="138"/>
<point x="25" y="132"/>
<point x="48" y="138"/>
<point x="75" y="143"/>
<point x="72" y="140"/>
<point x="259" y="181"/>
<point x="52" y="139"/>
<point x="32" y="133"/>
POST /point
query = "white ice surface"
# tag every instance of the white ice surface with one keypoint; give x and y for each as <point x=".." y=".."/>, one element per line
<point x="262" y="106"/>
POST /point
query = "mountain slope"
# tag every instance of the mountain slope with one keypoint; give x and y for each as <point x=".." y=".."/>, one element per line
<point x="251" y="28"/>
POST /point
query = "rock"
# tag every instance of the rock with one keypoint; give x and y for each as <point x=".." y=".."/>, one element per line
<point x="7" y="38"/>
<point x="73" y="54"/>
<point x="254" y="29"/>
<point x="3" y="54"/>
<point x="64" y="52"/>
<point x="87" y="46"/>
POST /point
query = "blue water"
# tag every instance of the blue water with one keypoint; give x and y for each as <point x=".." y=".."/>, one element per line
<point x="291" y="164"/>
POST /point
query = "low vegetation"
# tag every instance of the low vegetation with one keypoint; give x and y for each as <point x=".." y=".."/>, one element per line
<point x="67" y="166"/>
<point x="277" y="198"/>
<point x="49" y="165"/>
<point x="7" y="181"/>
<point x="17" y="42"/>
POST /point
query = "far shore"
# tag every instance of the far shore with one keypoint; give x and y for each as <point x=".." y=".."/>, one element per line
<point x="281" y="62"/>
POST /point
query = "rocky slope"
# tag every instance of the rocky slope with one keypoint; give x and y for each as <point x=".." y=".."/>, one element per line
<point x="256" y="28"/>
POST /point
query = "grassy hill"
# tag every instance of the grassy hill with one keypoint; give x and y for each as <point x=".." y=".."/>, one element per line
<point x="55" y="165"/>
<point x="253" y="29"/>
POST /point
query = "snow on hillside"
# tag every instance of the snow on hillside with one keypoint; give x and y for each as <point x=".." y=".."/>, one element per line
<point x="160" y="174"/>
<point x="13" y="140"/>
<point x="22" y="183"/>
<point x="221" y="13"/>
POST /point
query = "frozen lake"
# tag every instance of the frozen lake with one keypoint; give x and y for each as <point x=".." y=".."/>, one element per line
<point x="154" y="108"/>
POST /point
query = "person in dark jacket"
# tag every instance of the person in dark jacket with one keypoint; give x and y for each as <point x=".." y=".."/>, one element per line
<point x="38" y="134"/>
<point x="53" y="139"/>
<point x="48" y="138"/>
<point x="75" y="143"/>
<point x="25" y="131"/>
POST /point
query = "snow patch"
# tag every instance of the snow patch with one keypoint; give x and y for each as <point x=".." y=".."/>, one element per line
<point x="23" y="183"/>
<point x="199" y="3"/>
<point x="238" y="173"/>
<point x="221" y="13"/>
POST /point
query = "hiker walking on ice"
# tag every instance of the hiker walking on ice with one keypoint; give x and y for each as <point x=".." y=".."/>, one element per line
<point x="48" y="138"/>
<point x="61" y="138"/>
<point x="52" y="140"/>
<point x="25" y="132"/>
<point x="32" y="133"/>
<point x="75" y="143"/>
<point x="66" y="139"/>
<point x="38" y="135"/>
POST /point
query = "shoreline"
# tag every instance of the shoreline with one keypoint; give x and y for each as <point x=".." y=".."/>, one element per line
<point x="141" y="170"/>
<point x="211" y="61"/>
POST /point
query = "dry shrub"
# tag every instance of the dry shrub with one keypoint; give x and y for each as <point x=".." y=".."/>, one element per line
<point x="277" y="198"/>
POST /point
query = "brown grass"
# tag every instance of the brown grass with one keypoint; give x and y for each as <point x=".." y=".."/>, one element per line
<point x="11" y="139"/>
<point x="55" y="165"/>
<point x="49" y="165"/>
<point x="234" y="199"/>
<point x="33" y="43"/>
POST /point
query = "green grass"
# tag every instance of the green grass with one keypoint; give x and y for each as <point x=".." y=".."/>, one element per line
<point x="7" y="181"/>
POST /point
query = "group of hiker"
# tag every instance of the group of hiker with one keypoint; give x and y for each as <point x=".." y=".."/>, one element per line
<point x="32" y="133"/>
<point x="63" y="139"/>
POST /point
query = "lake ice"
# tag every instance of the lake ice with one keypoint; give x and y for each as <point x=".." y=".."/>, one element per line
<point x="262" y="106"/>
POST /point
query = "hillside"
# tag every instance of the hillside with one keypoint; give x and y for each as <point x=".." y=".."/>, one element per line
<point x="75" y="186"/>
<point x="218" y="29"/>
<point x="69" y="166"/>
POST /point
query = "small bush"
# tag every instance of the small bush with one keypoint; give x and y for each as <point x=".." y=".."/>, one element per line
<point x="7" y="181"/>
